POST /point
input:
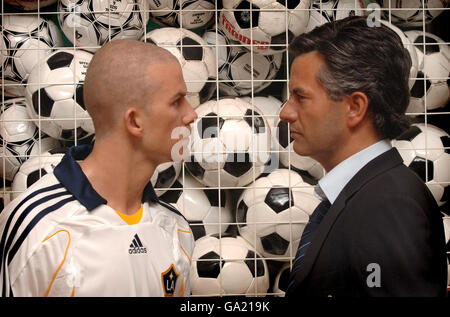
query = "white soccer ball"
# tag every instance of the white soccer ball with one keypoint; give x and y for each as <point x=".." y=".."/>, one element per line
<point x="164" y="176"/>
<point x="242" y="72"/>
<point x="208" y="211"/>
<point x="19" y="137"/>
<point x="412" y="12"/>
<point x="226" y="265"/>
<point x="33" y="170"/>
<point x="270" y="108"/>
<point x="188" y="14"/>
<point x="308" y="167"/>
<point x="91" y="23"/>
<point x="25" y="40"/>
<point x="431" y="89"/>
<point x="324" y="11"/>
<point x="264" y="26"/>
<point x="55" y="95"/>
<point x="425" y="149"/>
<point x="409" y="46"/>
<point x="231" y="140"/>
<point x="273" y="211"/>
<point x="195" y="56"/>
<point x="29" y="5"/>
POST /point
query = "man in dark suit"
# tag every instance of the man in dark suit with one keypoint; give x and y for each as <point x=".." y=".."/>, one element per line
<point x="378" y="230"/>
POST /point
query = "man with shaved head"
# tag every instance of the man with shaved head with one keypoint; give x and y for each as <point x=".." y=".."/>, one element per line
<point x="95" y="227"/>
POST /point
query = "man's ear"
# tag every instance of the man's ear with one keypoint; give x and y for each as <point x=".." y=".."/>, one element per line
<point x="132" y="119"/>
<point x="357" y="107"/>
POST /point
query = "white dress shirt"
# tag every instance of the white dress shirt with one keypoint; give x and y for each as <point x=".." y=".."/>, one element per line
<point x="335" y="180"/>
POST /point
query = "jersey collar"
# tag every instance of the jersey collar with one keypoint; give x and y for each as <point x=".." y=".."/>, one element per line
<point x="71" y="176"/>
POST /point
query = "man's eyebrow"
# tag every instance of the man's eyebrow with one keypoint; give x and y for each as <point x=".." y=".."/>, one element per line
<point x="299" y="90"/>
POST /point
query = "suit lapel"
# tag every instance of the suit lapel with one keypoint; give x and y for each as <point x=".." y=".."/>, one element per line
<point x="375" y="167"/>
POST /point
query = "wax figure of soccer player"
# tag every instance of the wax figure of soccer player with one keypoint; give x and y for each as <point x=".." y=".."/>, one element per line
<point x="95" y="226"/>
<point x="382" y="234"/>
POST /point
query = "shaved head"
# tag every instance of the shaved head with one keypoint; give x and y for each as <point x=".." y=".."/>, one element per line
<point x="119" y="75"/>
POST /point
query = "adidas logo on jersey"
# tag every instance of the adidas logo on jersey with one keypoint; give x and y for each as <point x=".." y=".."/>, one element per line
<point x="136" y="246"/>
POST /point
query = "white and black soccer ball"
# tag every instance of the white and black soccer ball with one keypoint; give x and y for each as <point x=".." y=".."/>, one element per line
<point x="426" y="150"/>
<point x="30" y="5"/>
<point x="164" y="176"/>
<point x="19" y="137"/>
<point x="324" y="11"/>
<point x="188" y="14"/>
<point x="270" y="108"/>
<point x="208" y="211"/>
<point x="264" y="26"/>
<point x="281" y="281"/>
<point x="309" y="168"/>
<point x="273" y="211"/>
<point x="195" y="56"/>
<point x="240" y="71"/>
<point x="226" y="265"/>
<point x="55" y="95"/>
<point x="409" y="46"/>
<point x="24" y="41"/>
<point x="431" y="89"/>
<point x="408" y="13"/>
<point x="33" y="170"/>
<point x="230" y="140"/>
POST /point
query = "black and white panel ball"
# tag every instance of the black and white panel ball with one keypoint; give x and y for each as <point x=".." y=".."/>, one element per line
<point x="226" y="265"/>
<point x="165" y="176"/>
<point x="409" y="13"/>
<point x="24" y="40"/>
<point x="426" y="150"/>
<point x="208" y="211"/>
<point x="55" y="95"/>
<point x="431" y="89"/>
<point x="264" y="26"/>
<point x="196" y="57"/>
<point x="273" y="211"/>
<point x="230" y="143"/>
<point x="188" y="14"/>
<point x="20" y="138"/>
<point x="91" y="23"/>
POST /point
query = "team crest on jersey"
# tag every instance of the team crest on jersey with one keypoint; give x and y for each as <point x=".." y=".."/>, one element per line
<point x="169" y="279"/>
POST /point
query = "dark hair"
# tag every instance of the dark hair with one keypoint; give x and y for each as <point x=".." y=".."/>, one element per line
<point x="358" y="57"/>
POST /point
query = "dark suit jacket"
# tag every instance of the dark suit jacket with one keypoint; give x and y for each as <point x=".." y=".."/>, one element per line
<point x="385" y="215"/>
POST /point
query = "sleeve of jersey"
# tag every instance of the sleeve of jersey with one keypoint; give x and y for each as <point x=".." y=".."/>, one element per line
<point x="48" y="271"/>
<point x="187" y="243"/>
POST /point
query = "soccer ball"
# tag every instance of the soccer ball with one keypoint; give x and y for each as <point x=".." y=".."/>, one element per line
<point x="208" y="211"/>
<point x="409" y="46"/>
<point x="55" y="95"/>
<point x="25" y="40"/>
<point x="188" y="14"/>
<point x="195" y="56"/>
<point x="431" y="88"/>
<point x="324" y="11"/>
<point x="242" y="72"/>
<point x="29" y="5"/>
<point x="412" y="12"/>
<point x="226" y="265"/>
<point x="264" y="26"/>
<point x="164" y="176"/>
<point x="281" y="280"/>
<point x="272" y="213"/>
<point x="425" y="149"/>
<point x="33" y="170"/>
<point x="309" y="168"/>
<point x="19" y="137"/>
<point x="92" y="23"/>
<point x="231" y="140"/>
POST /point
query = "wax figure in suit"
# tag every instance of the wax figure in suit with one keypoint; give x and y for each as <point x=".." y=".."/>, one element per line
<point x="378" y="231"/>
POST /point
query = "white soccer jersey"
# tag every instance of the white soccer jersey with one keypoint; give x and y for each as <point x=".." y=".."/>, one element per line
<point x="59" y="238"/>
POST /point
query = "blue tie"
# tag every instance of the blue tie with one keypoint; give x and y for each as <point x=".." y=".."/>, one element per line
<point x="307" y="236"/>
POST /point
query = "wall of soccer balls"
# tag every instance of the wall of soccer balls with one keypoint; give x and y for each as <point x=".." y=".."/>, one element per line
<point x="246" y="194"/>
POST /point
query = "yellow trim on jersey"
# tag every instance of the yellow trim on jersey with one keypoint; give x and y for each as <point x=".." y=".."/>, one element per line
<point x="62" y="262"/>
<point x="182" y="288"/>
<point x="181" y="246"/>
<point x="132" y="219"/>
